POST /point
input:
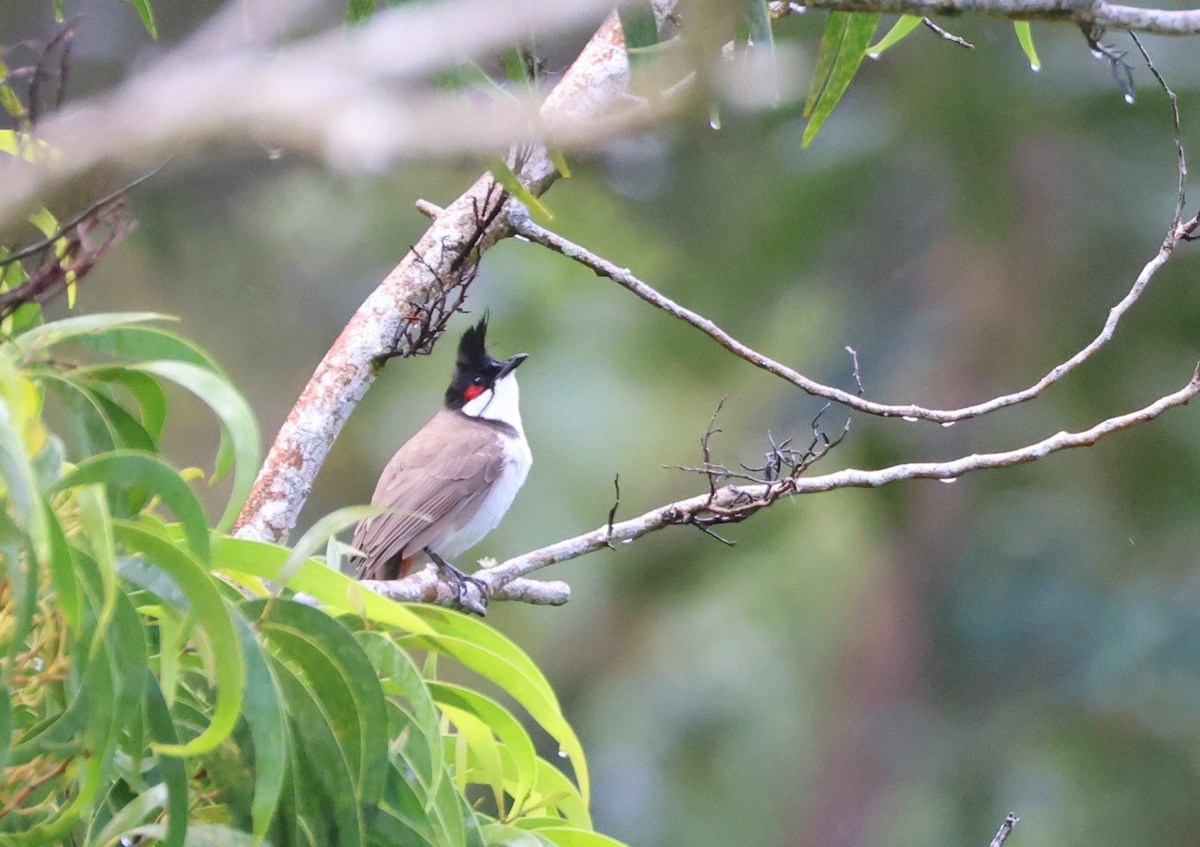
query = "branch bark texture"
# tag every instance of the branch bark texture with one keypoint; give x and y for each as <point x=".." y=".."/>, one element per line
<point x="401" y="315"/>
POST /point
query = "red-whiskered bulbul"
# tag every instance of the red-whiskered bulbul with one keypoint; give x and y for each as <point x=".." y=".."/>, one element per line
<point x="452" y="482"/>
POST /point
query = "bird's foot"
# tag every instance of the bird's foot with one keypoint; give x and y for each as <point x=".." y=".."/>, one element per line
<point x="465" y="596"/>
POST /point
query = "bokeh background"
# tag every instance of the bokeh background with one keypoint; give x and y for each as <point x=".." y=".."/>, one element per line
<point x="900" y="666"/>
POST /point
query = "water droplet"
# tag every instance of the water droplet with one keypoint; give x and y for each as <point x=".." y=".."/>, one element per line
<point x="873" y="55"/>
<point x="948" y="480"/>
<point x="948" y="424"/>
<point x="1035" y="68"/>
<point x="1129" y="97"/>
<point x="714" y="122"/>
<point x="909" y="418"/>
<point x="274" y="153"/>
<point x="1096" y="54"/>
<point x="626" y="540"/>
<point x="563" y="754"/>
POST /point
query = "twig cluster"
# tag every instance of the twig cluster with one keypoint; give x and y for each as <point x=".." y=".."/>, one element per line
<point x="67" y="256"/>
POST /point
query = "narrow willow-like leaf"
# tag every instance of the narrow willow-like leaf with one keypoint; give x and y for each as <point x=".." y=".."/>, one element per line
<point x="151" y="400"/>
<point x="338" y="673"/>
<point x="133" y="342"/>
<point x="216" y="621"/>
<point x="1025" y="39"/>
<point x="21" y="483"/>
<point x="173" y="768"/>
<point x="521" y="753"/>
<point x="418" y="742"/>
<point x="147" y="15"/>
<point x="509" y="668"/>
<point x="564" y="836"/>
<point x="476" y="753"/>
<point x="238" y="557"/>
<point x="237" y="422"/>
<point x="902" y="27"/>
<point x="264" y="716"/>
<point x="511" y="183"/>
<point x="317" y="535"/>
<point x="47" y="335"/>
<point x="322" y="776"/>
<point x="843" y="46"/>
<point x="127" y="466"/>
<point x="511" y="836"/>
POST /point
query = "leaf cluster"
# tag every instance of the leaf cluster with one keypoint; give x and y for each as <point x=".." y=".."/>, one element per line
<point x="158" y="684"/>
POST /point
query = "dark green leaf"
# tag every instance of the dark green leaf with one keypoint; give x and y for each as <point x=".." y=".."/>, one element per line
<point x="843" y="46"/>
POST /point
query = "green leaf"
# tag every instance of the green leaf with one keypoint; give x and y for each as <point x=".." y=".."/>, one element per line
<point x="843" y="45"/>
<point x="317" y="535"/>
<point x="359" y="10"/>
<point x="239" y="558"/>
<point x="640" y="27"/>
<point x="40" y="337"/>
<point x="215" y="618"/>
<point x="21" y="483"/>
<point x="126" y="466"/>
<point x="336" y="671"/>
<point x="495" y="657"/>
<point x="1025" y="38"/>
<point x="325" y="795"/>
<point x="511" y="183"/>
<point x="137" y="343"/>
<point x="147" y="15"/>
<point x="902" y="27"/>
<point x="522" y="757"/>
<point x="145" y="390"/>
<point x="237" y="422"/>
<point x="264" y="715"/>
<point x="565" y="836"/>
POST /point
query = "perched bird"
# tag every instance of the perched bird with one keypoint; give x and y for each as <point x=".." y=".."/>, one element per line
<point x="452" y="482"/>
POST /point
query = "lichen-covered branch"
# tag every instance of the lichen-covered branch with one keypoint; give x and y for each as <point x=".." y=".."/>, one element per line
<point x="397" y="319"/>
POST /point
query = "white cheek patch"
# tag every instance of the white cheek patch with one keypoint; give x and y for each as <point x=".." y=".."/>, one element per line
<point x="475" y="408"/>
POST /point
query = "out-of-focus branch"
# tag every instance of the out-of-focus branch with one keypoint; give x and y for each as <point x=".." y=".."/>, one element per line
<point x="359" y="98"/>
<point x="1088" y="14"/>
<point x="734" y="503"/>
<point x="397" y="319"/>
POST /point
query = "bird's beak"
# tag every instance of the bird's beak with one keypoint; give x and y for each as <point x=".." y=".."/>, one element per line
<point x="510" y="365"/>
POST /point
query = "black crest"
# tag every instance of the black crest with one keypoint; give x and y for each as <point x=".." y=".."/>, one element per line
<point x="472" y="349"/>
<point x="473" y="369"/>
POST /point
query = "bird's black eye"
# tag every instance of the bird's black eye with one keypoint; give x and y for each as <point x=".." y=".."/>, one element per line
<point x="477" y="381"/>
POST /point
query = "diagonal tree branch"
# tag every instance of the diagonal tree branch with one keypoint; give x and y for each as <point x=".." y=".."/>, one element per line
<point x="405" y="314"/>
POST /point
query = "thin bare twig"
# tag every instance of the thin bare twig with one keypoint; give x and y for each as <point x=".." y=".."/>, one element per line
<point x="949" y="36"/>
<point x="1006" y="827"/>
<point x="1177" y="227"/>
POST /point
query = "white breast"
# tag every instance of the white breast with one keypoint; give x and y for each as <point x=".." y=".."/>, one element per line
<point x="517" y="460"/>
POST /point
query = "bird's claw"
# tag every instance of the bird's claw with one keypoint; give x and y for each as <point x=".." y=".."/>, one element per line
<point x="463" y="596"/>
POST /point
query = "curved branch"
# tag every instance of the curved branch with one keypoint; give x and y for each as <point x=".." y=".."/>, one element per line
<point x="538" y="234"/>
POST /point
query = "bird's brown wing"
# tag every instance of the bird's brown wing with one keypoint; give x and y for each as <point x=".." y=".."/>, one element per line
<point x="432" y="486"/>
